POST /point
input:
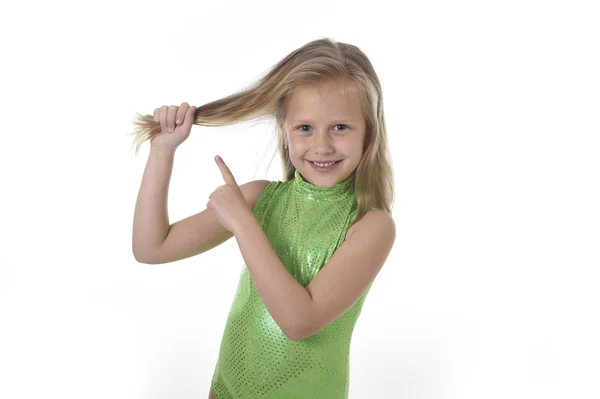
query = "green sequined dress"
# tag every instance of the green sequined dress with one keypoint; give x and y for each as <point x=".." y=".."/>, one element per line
<point x="304" y="224"/>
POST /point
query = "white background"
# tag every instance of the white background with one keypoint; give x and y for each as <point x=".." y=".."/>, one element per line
<point x="492" y="110"/>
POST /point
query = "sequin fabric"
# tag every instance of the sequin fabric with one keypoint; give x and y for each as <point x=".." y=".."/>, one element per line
<point x="304" y="224"/>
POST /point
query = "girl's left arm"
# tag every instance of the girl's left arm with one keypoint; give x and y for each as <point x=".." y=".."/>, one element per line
<point x="302" y="312"/>
<point x="285" y="298"/>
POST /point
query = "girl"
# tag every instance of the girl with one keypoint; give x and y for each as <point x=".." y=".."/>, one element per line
<point x="312" y="244"/>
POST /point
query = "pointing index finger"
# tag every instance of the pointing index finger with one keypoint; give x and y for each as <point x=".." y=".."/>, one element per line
<point x="227" y="175"/>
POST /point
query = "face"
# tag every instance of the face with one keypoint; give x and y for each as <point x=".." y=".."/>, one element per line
<point x="323" y="125"/>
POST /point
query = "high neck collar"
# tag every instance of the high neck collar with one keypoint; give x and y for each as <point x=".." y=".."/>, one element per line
<point x="344" y="188"/>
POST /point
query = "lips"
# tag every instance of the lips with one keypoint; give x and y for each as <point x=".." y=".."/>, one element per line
<point x="332" y="160"/>
<point x="326" y="168"/>
<point x="324" y="161"/>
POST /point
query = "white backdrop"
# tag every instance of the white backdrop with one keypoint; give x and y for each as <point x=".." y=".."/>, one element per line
<point x="492" y="109"/>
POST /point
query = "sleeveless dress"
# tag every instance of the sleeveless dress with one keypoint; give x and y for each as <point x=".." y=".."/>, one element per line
<point x="304" y="224"/>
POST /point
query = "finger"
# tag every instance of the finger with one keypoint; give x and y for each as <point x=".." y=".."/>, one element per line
<point x="163" y="118"/>
<point x="181" y="113"/>
<point x="156" y="114"/>
<point x="214" y="192"/>
<point x="172" y="112"/>
<point x="227" y="175"/>
<point x="190" y="116"/>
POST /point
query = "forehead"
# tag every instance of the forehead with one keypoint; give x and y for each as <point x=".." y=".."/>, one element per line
<point x="322" y="100"/>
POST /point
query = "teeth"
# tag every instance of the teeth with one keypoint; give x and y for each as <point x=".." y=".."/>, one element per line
<point x="324" y="165"/>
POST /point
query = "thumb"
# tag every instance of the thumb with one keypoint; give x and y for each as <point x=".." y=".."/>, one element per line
<point x="189" y="118"/>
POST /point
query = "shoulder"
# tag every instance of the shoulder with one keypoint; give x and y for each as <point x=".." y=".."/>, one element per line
<point x="261" y="184"/>
<point x="372" y="222"/>
<point x="253" y="190"/>
<point x="255" y="186"/>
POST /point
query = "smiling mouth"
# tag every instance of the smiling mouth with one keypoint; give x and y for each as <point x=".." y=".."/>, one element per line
<point x="324" y="169"/>
<point x="314" y="162"/>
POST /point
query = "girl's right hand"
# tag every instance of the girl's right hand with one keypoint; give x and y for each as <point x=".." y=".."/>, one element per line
<point x="175" y="123"/>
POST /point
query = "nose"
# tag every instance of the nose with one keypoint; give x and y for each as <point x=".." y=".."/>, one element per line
<point x="322" y="144"/>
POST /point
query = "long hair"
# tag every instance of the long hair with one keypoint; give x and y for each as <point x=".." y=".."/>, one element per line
<point x="316" y="62"/>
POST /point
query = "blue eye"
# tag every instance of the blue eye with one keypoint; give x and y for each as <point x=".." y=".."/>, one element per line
<point x="339" y="124"/>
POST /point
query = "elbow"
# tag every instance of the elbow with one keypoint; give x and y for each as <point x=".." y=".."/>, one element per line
<point x="302" y="328"/>
<point x="143" y="255"/>
<point x="137" y="256"/>
<point x="141" y="259"/>
<point x="293" y="336"/>
<point x="297" y="333"/>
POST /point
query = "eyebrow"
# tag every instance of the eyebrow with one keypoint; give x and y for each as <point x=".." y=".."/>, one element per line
<point x="308" y="121"/>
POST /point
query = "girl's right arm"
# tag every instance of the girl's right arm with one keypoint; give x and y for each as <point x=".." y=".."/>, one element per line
<point x="188" y="237"/>
<point x="154" y="240"/>
<point x="151" y="219"/>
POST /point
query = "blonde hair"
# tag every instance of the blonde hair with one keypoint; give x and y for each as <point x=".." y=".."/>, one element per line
<point x="318" y="61"/>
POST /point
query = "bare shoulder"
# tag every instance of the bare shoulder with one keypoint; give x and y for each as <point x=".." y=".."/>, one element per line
<point x="252" y="191"/>
<point x="372" y="221"/>
<point x="258" y="185"/>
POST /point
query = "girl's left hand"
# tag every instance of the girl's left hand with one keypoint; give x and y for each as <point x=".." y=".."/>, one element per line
<point x="227" y="202"/>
